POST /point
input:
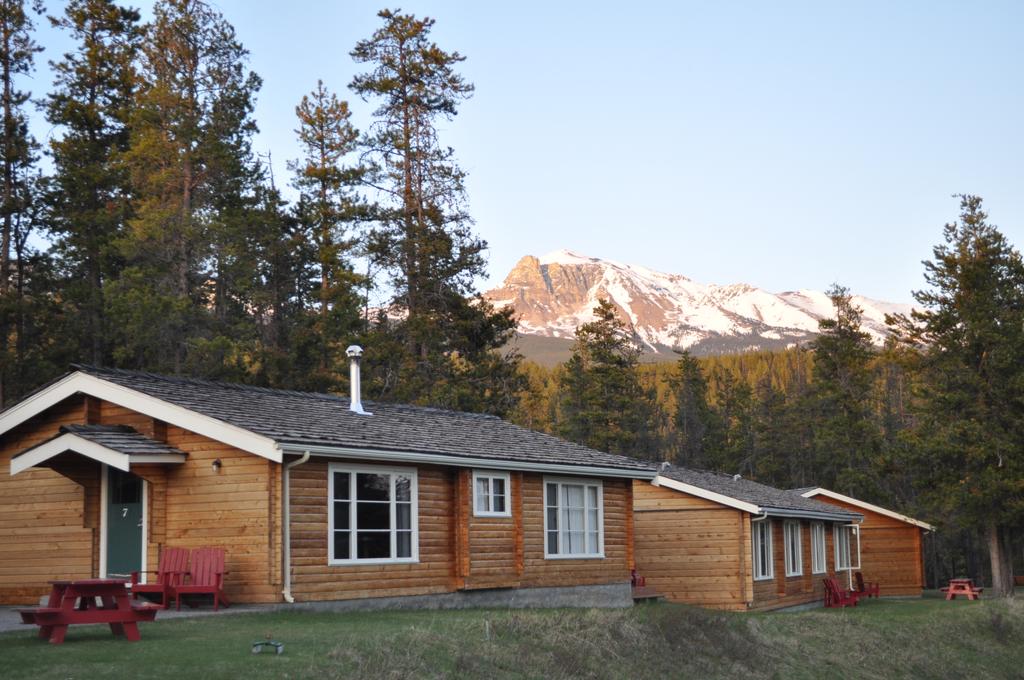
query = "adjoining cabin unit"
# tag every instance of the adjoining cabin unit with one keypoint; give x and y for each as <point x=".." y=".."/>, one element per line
<point x="313" y="496"/>
<point x="721" y="541"/>
<point x="892" y="554"/>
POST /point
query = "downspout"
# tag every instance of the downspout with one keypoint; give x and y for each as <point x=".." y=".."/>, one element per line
<point x="286" y="527"/>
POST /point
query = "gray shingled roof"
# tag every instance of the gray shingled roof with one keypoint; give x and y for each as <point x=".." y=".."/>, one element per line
<point x="306" y="418"/>
<point x="768" y="498"/>
<point x="120" y="438"/>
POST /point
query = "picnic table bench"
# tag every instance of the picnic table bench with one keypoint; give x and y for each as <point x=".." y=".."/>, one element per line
<point x="89" y="601"/>
<point x="961" y="586"/>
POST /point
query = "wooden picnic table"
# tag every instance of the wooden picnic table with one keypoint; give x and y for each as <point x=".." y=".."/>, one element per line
<point x="98" y="600"/>
<point x="961" y="586"/>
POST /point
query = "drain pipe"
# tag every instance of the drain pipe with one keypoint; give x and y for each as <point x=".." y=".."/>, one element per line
<point x="286" y="529"/>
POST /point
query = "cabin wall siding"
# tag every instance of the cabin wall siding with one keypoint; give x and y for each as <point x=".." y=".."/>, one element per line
<point x="691" y="550"/>
<point x="891" y="552"/>
<point x="45" y="531"/>
<point x="457" y="551"/>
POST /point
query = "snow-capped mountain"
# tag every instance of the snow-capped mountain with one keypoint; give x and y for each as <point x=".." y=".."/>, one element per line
<point x="554" y="294"/>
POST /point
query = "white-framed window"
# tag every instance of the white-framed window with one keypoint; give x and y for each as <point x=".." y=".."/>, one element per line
<point x="573" y="518"/>
<point x="762" y="534"/>
<point x="818" y="548"/>
<point x="372" y="516"/>
<point x="841" y="540"/>
<point x="491" y="494"/>
<point x="794" y="548"/>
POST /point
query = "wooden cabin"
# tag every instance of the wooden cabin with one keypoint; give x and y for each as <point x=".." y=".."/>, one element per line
<point x="891" y="544"/>
<point x="313" y="496"/>
<point x="721" y="541"/>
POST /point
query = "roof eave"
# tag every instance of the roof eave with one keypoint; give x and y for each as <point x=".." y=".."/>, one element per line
<point x="463" y="461"/>
<point x="821" y="491"/>
<point x="812" y="514"/>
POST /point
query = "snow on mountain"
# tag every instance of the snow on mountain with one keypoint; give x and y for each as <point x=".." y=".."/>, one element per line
<point x="557" y="292"/>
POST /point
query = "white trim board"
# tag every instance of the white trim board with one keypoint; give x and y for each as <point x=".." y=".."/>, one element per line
<point x="811" y="493"/>
<point x="462" y="461"/>
<point x="83" y="383"/>
<point x="90" y="449"/>
<point x="706" y="495"/>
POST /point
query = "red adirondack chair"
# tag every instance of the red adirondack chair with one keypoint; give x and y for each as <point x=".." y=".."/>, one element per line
<point x="865" y="589"/>
<point x="170" y="572"/>
<point x="206" y="577"/>
<point x="836" y="596"/>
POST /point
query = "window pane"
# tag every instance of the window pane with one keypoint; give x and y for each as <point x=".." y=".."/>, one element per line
<point x="403" y="516"/>
<point x="341" y="484"/>
<point x="498" y="486"/>
<point x="573" y="495"/>
<point x="592" y="497"/>
<point x="551" y="497"/>
<point x="552" y="542"/>
<point x="403" y="544"/>
<point x="373" y="544"/>
<point x="403" y="488"/>
<point x="576" y="539"/>
<point x="482" y="495"/>
<point x="373" y="516"/>
<point x="592" y="543"/>
<point x="341" y="545"/>
<point x="341" y="515"/>
<point x="499" y="503"/>
<point x="552" y="519"/>
<point x="592" y="520"/>
<point x="372" y="487"/>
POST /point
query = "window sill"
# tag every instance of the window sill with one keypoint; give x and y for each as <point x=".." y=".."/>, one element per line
<point x="493" y="515"/>
<point x="770" y="577"/>
<point x="359" y="563"/>
<point x="574" y="557"/>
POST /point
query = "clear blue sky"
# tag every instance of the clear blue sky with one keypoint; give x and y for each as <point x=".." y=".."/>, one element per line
<point x="782" y="144"/>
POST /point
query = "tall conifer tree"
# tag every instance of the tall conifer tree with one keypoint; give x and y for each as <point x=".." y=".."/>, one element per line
<point x="443" y="349"/>
<point x="88" y="195"/>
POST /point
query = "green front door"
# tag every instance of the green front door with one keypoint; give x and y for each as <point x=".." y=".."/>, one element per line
<point x="124" y="523"/>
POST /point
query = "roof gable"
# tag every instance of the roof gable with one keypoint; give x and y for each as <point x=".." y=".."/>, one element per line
<point x="270" y="422"/>
<point x="747" y="495"/>
<point x="116" y="446"/>
<point x="818" y="491"/>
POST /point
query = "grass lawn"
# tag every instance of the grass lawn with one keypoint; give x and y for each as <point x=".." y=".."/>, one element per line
<point x="927" y="638"/>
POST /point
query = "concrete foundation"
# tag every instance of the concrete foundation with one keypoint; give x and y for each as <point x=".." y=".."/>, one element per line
<point x="606" y="596"/>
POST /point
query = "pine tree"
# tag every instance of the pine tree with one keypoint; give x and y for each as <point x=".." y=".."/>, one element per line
<point x="602" y="404"/>
<point x="329" y="210"/>
<point x="18" y="155"/>
<point x="88" y="195"/>
<point x="696" y="426"/>
<point x="969" y="330"/>
<point x="846" y="433"/>
<point x="440" y="343"/>
<point x="193" y="185"/>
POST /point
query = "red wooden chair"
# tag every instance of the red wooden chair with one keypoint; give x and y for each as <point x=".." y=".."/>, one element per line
<point x="206" y="577"/>
<point x="170" y="572"/>
<point x="836" y="596"/>
<point x="865" y="589"/>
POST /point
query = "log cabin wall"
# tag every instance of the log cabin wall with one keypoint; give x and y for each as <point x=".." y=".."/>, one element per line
<point x="791" y="591"/>
<point x="891" y="553"/>
<point x="457" y="550"/>
<point x="45" y="531"/>
<point x="692" y="550"/>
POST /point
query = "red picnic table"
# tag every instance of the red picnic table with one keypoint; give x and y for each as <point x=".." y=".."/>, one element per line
<point x="99" y="600"/>
<point x="961" y="586"/>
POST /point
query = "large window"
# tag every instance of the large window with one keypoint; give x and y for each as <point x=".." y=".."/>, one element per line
<point x="762" y="531"/>
<point x="372" y="515"/>
<point x="490" y="494"/>
<point x="818" y="548"/>
<point x="794" y="548"/>
<point x="574" y="518"/>
<point x="841" y="537"/>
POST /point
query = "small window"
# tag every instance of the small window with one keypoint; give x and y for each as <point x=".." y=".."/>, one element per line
<point x="794" y="548"/>
<point x="372" y="516"/>
<point x="574" y="518"/>
<point x="491" y="494"/>
<point x="818" y="548"/>
<point x="762" y="531"/>
<point x="841" y="537"/>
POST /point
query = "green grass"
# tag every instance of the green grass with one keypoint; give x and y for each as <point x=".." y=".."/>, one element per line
<point x="927" y="638"/>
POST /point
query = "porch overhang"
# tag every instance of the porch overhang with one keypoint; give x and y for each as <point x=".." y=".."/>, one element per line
<point x="74" y="443"/>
